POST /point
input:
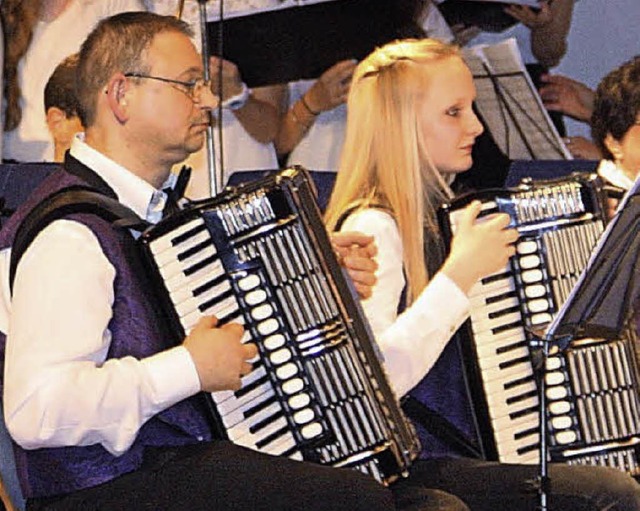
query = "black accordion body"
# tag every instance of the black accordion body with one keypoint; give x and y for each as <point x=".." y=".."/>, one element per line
<point x="593" y="404"/>
<point x="259" y="255"/>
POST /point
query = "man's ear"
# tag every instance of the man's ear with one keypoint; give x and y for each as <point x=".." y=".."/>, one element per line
<point x="54" y="117"/>
<point x="116" y="92"/>
<point x="613" y="146"/>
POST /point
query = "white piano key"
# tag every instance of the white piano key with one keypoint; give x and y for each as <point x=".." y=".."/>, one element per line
<point x="241" y="429"/>
<point x="238" y="424"/>
<point x="481" y="292"/>
<point x="163" y="243"/>
<point x="485" y="324"/>
<point x="258" y="394"/>
<point x="508" y="374"/>
<point x="493" y="361"/>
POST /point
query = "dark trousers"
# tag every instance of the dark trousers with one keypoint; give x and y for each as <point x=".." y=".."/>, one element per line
<point x="493" y="486"/>
<point x="222" y="476"/>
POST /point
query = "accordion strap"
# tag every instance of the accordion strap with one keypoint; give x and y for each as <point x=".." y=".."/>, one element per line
<point x="69" y="201"/>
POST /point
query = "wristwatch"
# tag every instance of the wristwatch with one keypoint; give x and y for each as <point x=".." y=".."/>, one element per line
<point x="237" y="101"/>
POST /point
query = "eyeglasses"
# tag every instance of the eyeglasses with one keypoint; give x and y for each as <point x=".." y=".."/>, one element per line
<point x="193" y="89"/>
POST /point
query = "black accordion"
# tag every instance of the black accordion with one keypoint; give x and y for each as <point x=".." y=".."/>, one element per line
<point x="258" y="254"/>
<point x="593" y="404"/>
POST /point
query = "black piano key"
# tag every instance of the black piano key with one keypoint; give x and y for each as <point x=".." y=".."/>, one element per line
<point x="262" y="443"/>
<point x="259" y="407"/>
<point x="255" y="428"/>
<point x="251" y="386"/>
<point x="188" y="234"/>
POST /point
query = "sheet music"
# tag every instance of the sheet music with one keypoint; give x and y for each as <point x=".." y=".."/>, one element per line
<point x="237" y="8"/>
<point x="551" y="328"/>
<point x="530" y="3"/>
<point x="511" y="105"/>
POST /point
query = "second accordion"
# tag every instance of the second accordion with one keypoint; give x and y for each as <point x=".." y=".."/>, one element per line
<point x="259" y="255"/>
<point x="592" y="387"/>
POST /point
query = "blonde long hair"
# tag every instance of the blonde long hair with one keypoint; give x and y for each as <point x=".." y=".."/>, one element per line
<point x="384" y="161"/>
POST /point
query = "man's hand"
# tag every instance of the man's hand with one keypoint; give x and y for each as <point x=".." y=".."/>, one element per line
<point x="332" y="88"/>
<point x="231" y="79"/>
<point x="218" y="354"/>
<point x="571" y="97"/>
<point x="532" y="18"/>
<point x="356" y="252"/>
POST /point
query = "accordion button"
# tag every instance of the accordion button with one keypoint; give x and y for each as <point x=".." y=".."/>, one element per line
<point x="249" y="282"/>
<point x="538" y="305"/>
<point x="566" y="437"/>
<point x="293" y="386"/>
<point x="255" y="297"/>
<point x="530" y="261"/>
<point x="540" y="319"/>
<point x="280" y="356"/>
<point x="555" y="378"/>
<point x="527" y="247"/>
<point x="531" y="276"/>
<point x="553" y="363"/>
<point x="535" y="291"/>
<point x="312" y="430"/>
<point x="286" y="371"/>
<point x="268" y="327"/>
<point x="557" y="393"/>
<point x="273" y="342"/>
<point x="303" y="416"/>
<point x="560" y="407"/>
<point x="299" y="401"/>
<point x="561" y="422"/>
<point x="262" y="312"/>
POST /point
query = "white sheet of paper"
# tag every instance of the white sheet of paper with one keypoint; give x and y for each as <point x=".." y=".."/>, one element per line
<point x="510" y="104"/>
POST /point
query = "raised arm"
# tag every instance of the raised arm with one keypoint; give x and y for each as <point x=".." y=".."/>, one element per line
<point x="256" y="108"/>
<point x="549" y="27"/>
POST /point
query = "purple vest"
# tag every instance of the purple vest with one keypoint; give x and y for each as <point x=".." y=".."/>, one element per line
<point x="136" y="331"/>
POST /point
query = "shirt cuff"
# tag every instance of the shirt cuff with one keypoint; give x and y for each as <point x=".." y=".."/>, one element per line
<point x="172" y="376"/>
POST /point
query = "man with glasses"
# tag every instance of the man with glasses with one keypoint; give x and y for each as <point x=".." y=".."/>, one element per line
<point x="103" y="414"/>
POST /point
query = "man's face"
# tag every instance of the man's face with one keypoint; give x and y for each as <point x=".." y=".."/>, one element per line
<point x="165" y="119"/>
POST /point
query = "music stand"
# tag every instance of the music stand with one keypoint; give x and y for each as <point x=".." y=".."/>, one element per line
<point x="600" y="303"/>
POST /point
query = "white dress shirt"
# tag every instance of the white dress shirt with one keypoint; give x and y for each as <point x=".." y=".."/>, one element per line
<point x="60" y="389"/>
<point x="412" y="341"/>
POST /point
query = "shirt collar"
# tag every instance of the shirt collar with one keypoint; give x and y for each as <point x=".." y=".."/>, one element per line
<point x="614" y="175"/>
<point x="132" y="191"/>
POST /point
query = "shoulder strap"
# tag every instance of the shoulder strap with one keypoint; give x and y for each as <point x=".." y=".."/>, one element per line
<point x="355" y="206"/>
<point x="71" y="200"/>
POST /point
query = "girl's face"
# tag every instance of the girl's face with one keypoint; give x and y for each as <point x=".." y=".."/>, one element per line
<point x="447" y="122"/>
